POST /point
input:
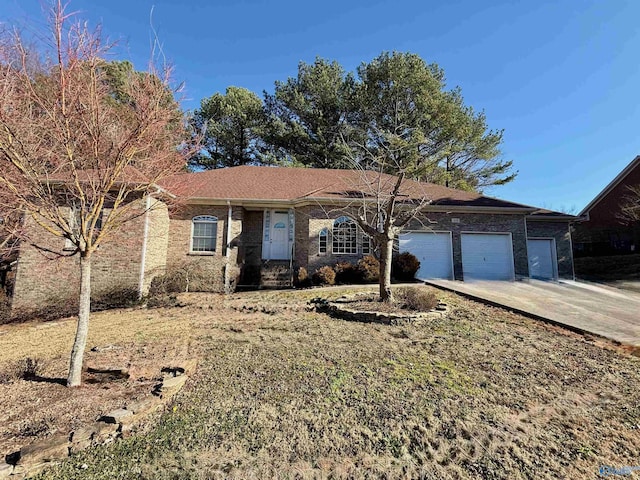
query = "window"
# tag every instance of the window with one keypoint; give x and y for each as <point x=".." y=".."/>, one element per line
<point x="75" y="220"/>
<point x="366" y="244"/>
<point x="204" y="231"/>
<point x="323" y="239"/>
<point x="345" y="236"/>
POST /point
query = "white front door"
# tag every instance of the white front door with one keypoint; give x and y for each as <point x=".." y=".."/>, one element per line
<point x="434" y="251"/>
<point x="280" y="236"/>
<point x="542" y="263"/>
<point x="276" y="243"/>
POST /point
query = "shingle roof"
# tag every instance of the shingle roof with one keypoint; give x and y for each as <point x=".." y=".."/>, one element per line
<point x="289" y="184"/>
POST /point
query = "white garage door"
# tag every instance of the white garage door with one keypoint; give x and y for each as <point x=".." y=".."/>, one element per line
<point x="433" y="249"/>
<point x="542" y="263"/>
<point x="487" y="256"/>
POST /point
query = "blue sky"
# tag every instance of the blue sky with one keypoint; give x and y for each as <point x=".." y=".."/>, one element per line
<point x="560" y="77"/>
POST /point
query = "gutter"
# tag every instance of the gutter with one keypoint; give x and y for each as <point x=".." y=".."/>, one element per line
<point x="287" y="203"/>
<point x="227" y="268"/>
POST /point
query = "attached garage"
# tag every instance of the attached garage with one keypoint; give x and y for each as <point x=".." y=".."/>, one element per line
<point x="542" y="258"/>
<point x="434" y="251"/>
<point x="487" y="256"/>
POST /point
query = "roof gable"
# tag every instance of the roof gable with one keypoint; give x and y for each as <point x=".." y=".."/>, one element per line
<point x="635" y="163"/>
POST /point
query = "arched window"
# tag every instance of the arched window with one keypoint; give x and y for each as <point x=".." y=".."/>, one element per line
<point x="204" y="231"/>
<point x="345" y="236"/>
<point x="323" y="240"/>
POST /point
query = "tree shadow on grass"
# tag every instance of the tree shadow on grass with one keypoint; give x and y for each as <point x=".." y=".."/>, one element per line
<point x="40" y="379"/>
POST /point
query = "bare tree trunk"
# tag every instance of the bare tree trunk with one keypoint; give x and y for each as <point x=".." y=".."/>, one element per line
<point x="386" y="252"/>
<point x="77" y="354"/>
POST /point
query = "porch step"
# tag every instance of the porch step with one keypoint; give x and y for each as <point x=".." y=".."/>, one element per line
<point x="275" y="274"/>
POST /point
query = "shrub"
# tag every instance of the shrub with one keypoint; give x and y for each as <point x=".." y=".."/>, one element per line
<point x="369" y="268"/>
<point x="115" y="298"/>
<point x="5" y="308"/>
<point x="417" y="298"/>
<point x="347" y="273"/>
<point x="404" y="267"/>
<point x="302" y="279"/>
<point x="324" y="276"/>
<point x="25" y="369"/>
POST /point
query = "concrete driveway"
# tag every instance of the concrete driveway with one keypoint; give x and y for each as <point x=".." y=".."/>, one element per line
<point x="583" y="307"/>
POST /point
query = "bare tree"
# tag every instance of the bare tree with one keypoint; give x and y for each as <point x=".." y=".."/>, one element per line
<point x="77" y="157"/>
<point x="383" y="204"/>
<point x="630" y="205"/>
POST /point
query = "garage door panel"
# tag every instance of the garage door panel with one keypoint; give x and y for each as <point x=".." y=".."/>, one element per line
<point x="487" y="256"/>
<point x="541" y="259"/>
<point x="433" y="250"/>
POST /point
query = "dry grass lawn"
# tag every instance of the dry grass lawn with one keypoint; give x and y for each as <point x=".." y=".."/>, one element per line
<point x="284" y="392"/>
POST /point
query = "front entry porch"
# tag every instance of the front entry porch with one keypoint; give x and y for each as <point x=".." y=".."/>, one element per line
<point x="267" y="248"/>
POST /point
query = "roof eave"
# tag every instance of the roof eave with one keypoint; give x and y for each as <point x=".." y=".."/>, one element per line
<point x="613" y="184"/>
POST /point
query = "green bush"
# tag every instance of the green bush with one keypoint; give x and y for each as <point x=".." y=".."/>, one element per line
<point x="369" y="268"/>
<point x="347" y="273"/>
<point x="404" y="267"/>
<point x="417" y="298"/>
<point x="324" y="276"/>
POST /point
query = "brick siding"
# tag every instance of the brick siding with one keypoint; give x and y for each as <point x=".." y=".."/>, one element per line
<point x="560" y="232"/>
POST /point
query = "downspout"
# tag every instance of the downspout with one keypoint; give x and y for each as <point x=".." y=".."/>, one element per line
<point x="145" y="238"/>
<point x="227" y="268"/>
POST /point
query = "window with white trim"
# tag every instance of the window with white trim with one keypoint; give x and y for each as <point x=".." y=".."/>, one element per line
<point x="344" y="236"/>
<point x="204" y="231"/>
<point x="323" y="240"/>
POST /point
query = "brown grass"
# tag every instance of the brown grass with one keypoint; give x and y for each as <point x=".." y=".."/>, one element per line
<point x="285" y="392"/>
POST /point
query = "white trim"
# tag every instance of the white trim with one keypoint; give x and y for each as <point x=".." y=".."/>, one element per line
<point x="145" y="237"/>
<point x="450" y="232"/>
<point x="259" y="204"/>
<point x="613" y="184"/>
<point x="266" y="253"/>
<point x="554" y="255"/>
<point x="326" y="245"/>
<point x="227" y="253"/>
<point x="513" y="266"/>
<point x="204" y="219"/>
<point x="357" y="227"/>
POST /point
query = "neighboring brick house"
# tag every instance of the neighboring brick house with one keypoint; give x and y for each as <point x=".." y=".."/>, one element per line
<point x="267" y="222"/>
<point x="603" y="230"/>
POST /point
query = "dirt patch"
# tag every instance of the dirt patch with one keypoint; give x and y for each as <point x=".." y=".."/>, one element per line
<point x="284" y="392"/>
<point x="38" y="405"/>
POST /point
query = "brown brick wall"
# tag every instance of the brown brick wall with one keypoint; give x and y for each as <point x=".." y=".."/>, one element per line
<point x="179" y="245"/>
<point x="317" y="220"/>
<point x="560" y="232"/>
<point x="250" y="250"/>
<point x="41" y="281"/>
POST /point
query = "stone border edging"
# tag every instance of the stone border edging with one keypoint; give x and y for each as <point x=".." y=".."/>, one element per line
<point x="338" y="309"/>
<point x="119" y="423"/>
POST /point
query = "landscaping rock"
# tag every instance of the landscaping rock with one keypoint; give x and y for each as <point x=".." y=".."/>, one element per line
<point x="103" y="431"/>
<point x="5" y="470"/>
<point x="53" y="448"/>
<point x="146" y="405"/>
<point x="116" y="416"/>
<point x="19" y="472"/>
<point x="173" y="383"/>
<point x="82" y="438"/>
